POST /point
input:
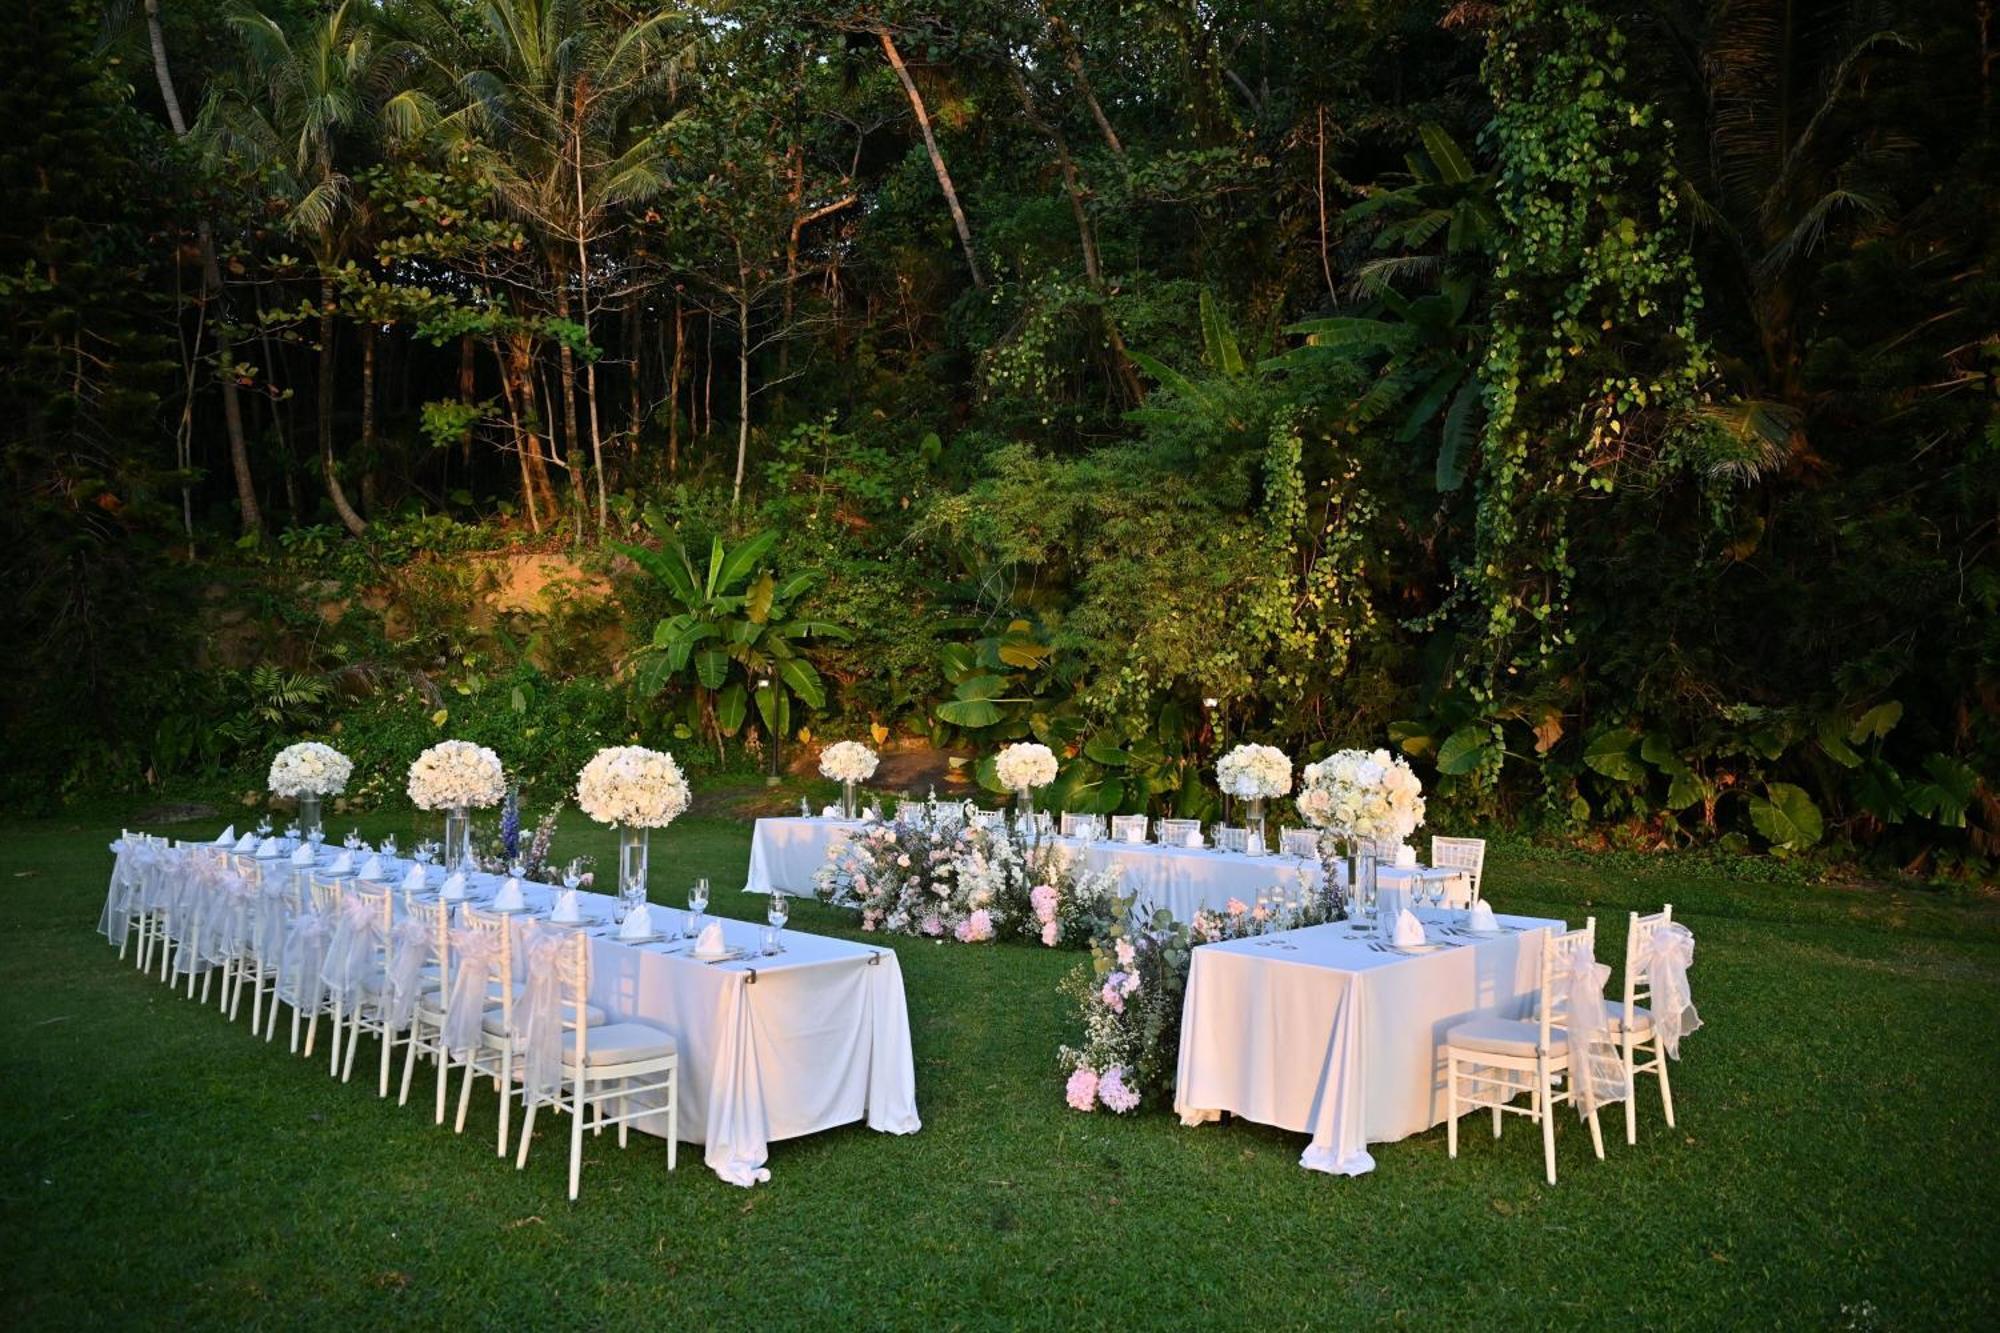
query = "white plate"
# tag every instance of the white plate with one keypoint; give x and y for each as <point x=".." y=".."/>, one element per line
<point x="581" y="923"/>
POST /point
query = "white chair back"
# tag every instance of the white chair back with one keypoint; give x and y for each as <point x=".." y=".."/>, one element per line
<point x="1122" y="827"/>
<point x="1298" y="842"/>
<point x="494" y="926"/>
<point x="1561" y="954"/>
<point x="1466" y="854"/>
<point x="1174" y="832"/>
<point x="988" y="819"/>
<point x="1231" y="839"/>
<point x="1639" y="932"/>
<point x="1082" y="826"/>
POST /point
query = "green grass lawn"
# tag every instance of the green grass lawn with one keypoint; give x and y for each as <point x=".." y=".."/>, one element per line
<point x="1832" y="1166"/>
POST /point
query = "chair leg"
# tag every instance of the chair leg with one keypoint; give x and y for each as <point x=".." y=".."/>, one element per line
<point x="1451" y="1105"/>
<point x="576" y="1143"/>
<point x="1596" y="1135"/>
<point x="339" y="1017"/>
<point x="527" y="1137"/>
<point x="1548" y="1118"/>
<point x="353" y="1040"/>
<point x="464" y="1095"/>
<point x="623" y="1123"/>
<point x="409" y="1065"/>
<point x="1631" y="1100"/>
<point x="388" y="1046"/>
<point x="1666" y="1090"/>
<point x="673" y="1115"/>
<point x="443" y="1076"/>
<point x="506" y="1095"/>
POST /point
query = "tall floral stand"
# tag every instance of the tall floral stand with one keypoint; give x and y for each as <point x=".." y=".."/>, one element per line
<point x="1253" y="826"/>
<point x="458" y="839"/>
<point x="850" y="799"/>
<point x="309" y="819"/>
<point x="632" y="863"/>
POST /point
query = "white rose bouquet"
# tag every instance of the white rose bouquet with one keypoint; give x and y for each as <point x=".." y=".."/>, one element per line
<point x="1024" y="766"/>
<point x="1362" y="794"/>
<point x="1254" y="772"/>
<point x="633" y="786"/>
<point x="847" y="761"/>
<point x="310" y="769"/>
<point x="455" y="773"/>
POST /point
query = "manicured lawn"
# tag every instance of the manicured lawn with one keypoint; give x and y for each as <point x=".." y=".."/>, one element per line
<point x="1833" y="1165"/>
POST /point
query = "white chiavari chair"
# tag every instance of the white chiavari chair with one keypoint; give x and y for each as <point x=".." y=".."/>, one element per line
<point x="1128" y="828"/>
<point x="572" y="1064"/>
<point x="1632" y="1024"/>
<point x="1228" y="839"/>
<point x="312" y="903"/>
<point x="1463" y="854"/>
<point x="989" y="819"/>
<point x="1489" y="1061"/>
<point x="425" y="1035"/>
<point x="1174" y="832"/>
<point x="1298" y="842"/>
<point x="359" y="976"/>
<point x="1082" y="826"/>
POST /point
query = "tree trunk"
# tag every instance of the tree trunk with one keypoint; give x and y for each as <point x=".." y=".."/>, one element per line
<point x="674" y="389"/>
<point x="351" y="520"/>
<point x="1073" y="58"/>
<point x="369" y="496"/>
<point x="251" y="515"/>
<point x="635" y="352"/>
<point x="937" y="157"/>
<point x="742" y="380"/>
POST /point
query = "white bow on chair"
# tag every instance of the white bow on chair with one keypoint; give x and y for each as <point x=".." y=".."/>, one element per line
<point x="349" y="955"/>
<point x="465" y="1011"/>
<point x="1668" y="959"/>
<point x="409" y="946"/>
<point x="538" y="1022"/>
<point x="305" y="957"/>
<point x="1597" y="1074"/>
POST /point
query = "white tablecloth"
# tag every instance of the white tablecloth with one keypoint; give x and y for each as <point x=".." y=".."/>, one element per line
<point x="770" y="1048"/>
<point x="784" y="853"/>
<point x="1333" y="1039"/>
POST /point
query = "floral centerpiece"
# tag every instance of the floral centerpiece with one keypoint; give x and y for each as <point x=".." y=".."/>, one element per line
<point x="308" y="772"/>
<point x="849" y="763"/>
<point x="456" y="777"/>
<point x="1254" y="774"/>
<point x="637" y="790"/>
<point x="1067" y="903"/>
<point x="1021" y="768"/>
<point x="1353" y="795"/>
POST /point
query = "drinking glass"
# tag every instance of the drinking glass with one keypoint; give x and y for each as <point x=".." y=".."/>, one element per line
<point x="389" y="845"/>
<point x="777" y="914"/>
<point x="698" y="898"/>
<point x="353" y="840"/>
<point x="573" y="873"/>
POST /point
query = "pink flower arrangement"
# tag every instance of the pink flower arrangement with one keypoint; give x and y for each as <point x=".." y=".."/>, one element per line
<point x="1050" y="934"/>
<point x="1111" y="1090"/>
<point x="932" y="925"/>
<point x="1237" y="907"/>
<point x="975" y="928"/>
<point x="1113" y="997"/>
<point x="1081" y="1091"/>
<point x="1043" y="898"/>
<point x="1125" y="954"/>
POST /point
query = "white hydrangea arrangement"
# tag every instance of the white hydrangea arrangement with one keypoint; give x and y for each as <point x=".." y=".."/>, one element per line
<point x="1362" y="794"/>
<point x="1252" y="772"/>
<point x="455" y="773"/>
<point x="310" y="769"/>
<point x="1024" y="766"/>
<point x="633" y="786"/>
<point x="848" y="761"/>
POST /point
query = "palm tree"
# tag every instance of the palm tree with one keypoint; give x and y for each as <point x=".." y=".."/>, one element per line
<point x="305" y="94"/>
<point x="547" y="104"/>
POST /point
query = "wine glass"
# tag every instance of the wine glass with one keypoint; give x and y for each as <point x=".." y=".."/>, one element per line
<point x="353" y="840"/>
<point x="389" y="845"/>
<point x="317" y="836"/>
<point x="573" y="873"/>
<point x="698" y="898"/>
<point x="777" y="914"/>
<point x="264" y="827"/>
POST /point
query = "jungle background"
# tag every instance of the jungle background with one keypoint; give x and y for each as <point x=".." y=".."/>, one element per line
<point x="1594" y="402"/>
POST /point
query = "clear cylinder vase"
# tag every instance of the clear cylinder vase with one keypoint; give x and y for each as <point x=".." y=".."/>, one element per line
<point x="1361" y="884"/>
<point x="850" y="799"/>
<point x="309" y="820"/>
<point x="632" y="864"/>
<point x="1253" y="826"/>
<point x="458" y="839"/>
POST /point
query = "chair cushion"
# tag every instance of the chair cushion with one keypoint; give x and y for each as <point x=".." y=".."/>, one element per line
<point x="620" y="1044"/>
<point x="1642" y="1017"/>
<point x="1504" y="1036"/>
<point x="495" y="1017"/>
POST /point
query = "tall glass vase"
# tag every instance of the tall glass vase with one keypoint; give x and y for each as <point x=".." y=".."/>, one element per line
<point x="309" y="822"/>
<point x="458" y="839"/>
<point x="632" y="864"/>
<point x="850" y="799"/>
<point x="1025" y="826"/>
<point x="1253" y="826"/>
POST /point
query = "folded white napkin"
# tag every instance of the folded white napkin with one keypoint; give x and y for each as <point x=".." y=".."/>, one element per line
<point x="1406" y="856"/>
<point x="509" y="899"/>
<point x="454" y="887"/>
<point x="247" y="843"/>
<point x="372" y="868"/>
<point x="710" y="943"/>
<point x="639" y="924"/>
<point x="414" y="881"/>
<point x="227" y="837"/>
<point x="267" y="850"/>
<point x="342" y="864"/>
<point x="302" y="855"/>
<point x="1193" y="839"/>
<point x="872" y="815"/>
<point x="1482" y="917"/>
<point x="568" y="910"/>
<point x="1409" y="930"/>
<point x="830" y="812"/>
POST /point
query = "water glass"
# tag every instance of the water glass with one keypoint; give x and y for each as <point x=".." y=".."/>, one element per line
<point x="573" y="873"/>
<point x="698" y="898"/>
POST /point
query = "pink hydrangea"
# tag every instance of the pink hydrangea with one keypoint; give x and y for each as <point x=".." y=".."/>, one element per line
<point x="904" y="860"/>
<point x="1081" y="1091"/>
<point x="869" y="920"/>
<point x="975" y="928"/>
<point x="1113" y="993"/>
<point x="1050" y="934"/>
<point x="1125" y="954"/>
<point x="932" y="925"/>
<point x="861" y="883"/>
<point x="1043" y="896"/>
<point x="1113" y="1092"/>
<point x="1237" y="907"/>
<point x="1262" y="913"/>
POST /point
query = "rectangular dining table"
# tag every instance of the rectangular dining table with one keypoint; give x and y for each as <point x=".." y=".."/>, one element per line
<point x="1321" y="1032"/>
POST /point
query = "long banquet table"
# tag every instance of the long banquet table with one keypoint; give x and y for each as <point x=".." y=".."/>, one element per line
<point x="771" y="1047"/>
<point x="785" y="852"/>
<point x="1317" y="1032"/>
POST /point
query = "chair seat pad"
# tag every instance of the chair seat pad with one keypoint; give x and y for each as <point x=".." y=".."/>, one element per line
<point x="1505" y="1036"/>
<point x="1642" y="1017"/>
<point x="620" y="1044"/>
<point x="496" y="1018"/>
